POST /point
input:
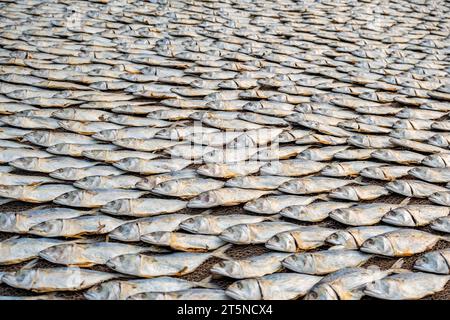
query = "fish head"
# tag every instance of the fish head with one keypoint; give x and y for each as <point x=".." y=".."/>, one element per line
<point x="228" y="268"/>
<point x="332" y="170"/>
<point x="12" y="120"/>
<point x="14" y="192"/>
<point x="242" y="141"/>
<point x="346" y="192"/>
<point x="229" y="84"/>
<point x="204" y="200"/>
<point x="293" y="187"/>
<point x="128" y="164"/>
<point x="57" y="253"/>
<point x="25" y="163"/>
<point x="135" y="88"/>
<point x="121" y="262"/>
<point x="306" y="155"/>
<point x="358" y="140"/>
<point x="105" y="291"/>
<point x="373" y="172"/>
<point x="7" y="221"/>
<point x="92" y="182"/>
<point x="126" y="232"/>
<point x="60" y="148"/>
<point x="210" y="169"/>
<point x="118" y="206"/>
<point x="378" y="245"/>
<point x="283" y="241"/>
<point x="64" y="173"/>
<point x="434" y="160"/>
<point x="381" y="288"/>
<point x="381" y="154"/>
<point x="440" y="224"/>
<point x="399" y="217"/>
<point x="281" y="98"/>
<point x="343" y="215"/>
<point x="321" y="291"/>
<point x="259" y="205"/>
<point x="106" y="135"/>
<point x="168" y="187"/>
<point x="294" y="212"/>
<point x="432" y="262"/>
<point x="21" y="279"/>
<point x="64" y="113"/>
<point x="197" y="115"/>
<point x="216" y="105"/>
<point x="69" y="198"/>
<point x="236" y="182"/>
<point x="168" y="133"/>
<point x="247" y="289"/>
<point x="95" y="154"/>
<point x="252" y="106"/>
<point x="341" y="238"/>
<point x="237" y="234"/>
<point x="196" y="224"/>
<point x="299" y="262"/>
<point x="161" y="238"/>
<point x="101" y="85"/>
<point x="438" y="140"/>
<point x="440" y="198"/>
<point x="419" y="172"/>
<point x="271" y="168"/>
<point x="37" y="137"/>
<point x="399" y="187"/>
<point x="215" y="156"/>
<point x="50" y="228"/>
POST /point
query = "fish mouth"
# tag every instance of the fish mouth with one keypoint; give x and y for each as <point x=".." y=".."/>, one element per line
<point x="273" y="246"/>
<point x="233" y="295"/>
<point x="372" y="292"/>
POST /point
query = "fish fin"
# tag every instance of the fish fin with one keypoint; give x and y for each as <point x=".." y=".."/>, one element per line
<point x="12" y="238"/>
<point x="322" y="196"/>
<point x="45" y="206"/>
<point x="206" y="283"/>
<point x="397" y="267"/>
<point x="405" y="201"/>
<point x="209" y="211"/>
<point x="397" y="264"/>
<point x="82" y="240"/>
<point x="220" y="253"/>
<point x="30" y="264"/>
<point x="35" y="184"/>
<point x="107" y="238"/>
<point x="275" y="217"/>
<point x="337" y="247"/>
<point x="359" y="180"/>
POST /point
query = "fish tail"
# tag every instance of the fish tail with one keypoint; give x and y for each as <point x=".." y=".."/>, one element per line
<point x="445" y="238"/>
<point x="206" y="283"/>
<point x="359" y="180"/>
<point x="30" y="264"/>
<point x="220" y="253"/>
<point x="397" y="267"/>
<point x="275" y="217"/>
<point x="405" y="201"/>
<point x="323" y="196"/>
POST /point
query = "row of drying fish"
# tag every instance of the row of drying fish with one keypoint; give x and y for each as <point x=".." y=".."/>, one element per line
<point x="146" y="110"/>
<point x="330" y="275"/>
<point x="276" y="235"/>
